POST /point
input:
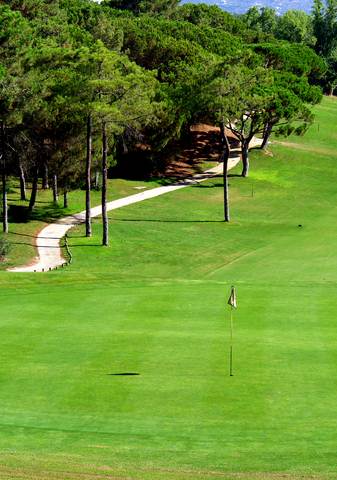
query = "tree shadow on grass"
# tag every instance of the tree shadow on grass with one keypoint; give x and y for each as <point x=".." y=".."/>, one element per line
<point x="213" y="185"/>
<point x="48" y="214"/>
<point x="187" y="180"/>
<point x="83" y="245"/>
<point x="23" y="243"/>
<point x="157" y="220"/>
<point x="72" y="235"/>
<point x="22" y="214"/>
<point x="31" y="236"/>
<point x="22" y="234"/>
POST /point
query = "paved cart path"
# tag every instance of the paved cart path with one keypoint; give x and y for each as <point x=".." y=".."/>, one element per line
<point x="48" y="240"/>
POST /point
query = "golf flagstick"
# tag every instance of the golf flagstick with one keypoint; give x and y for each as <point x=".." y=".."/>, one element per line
<point x="231" y="347"/>
<point x="233" y="304"/>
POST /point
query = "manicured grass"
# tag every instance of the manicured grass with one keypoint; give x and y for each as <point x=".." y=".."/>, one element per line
<point x="154" y="303"/>
<point x="22" y="233"/>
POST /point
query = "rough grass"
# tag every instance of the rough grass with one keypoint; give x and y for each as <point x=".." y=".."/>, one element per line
<point x="154" y="303"/>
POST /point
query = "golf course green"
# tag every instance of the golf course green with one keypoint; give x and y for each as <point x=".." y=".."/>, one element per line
<point x="118" y="366"/>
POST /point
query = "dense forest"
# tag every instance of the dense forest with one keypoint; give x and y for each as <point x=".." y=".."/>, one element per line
<point x="84" y="84"/>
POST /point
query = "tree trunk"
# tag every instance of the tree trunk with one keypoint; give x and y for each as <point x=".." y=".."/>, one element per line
<point x="65" y="198"/>
<point x="34" y="189"/>
<point x="88" y="230"/>
<point x="4" y="179"/>
<point x="97" y="180"/>
<point x="105" y="239"/>
<point x="55" y="190"/>
<point x="45" y="184"/>
<point x="4" y="203"/>
<point x="22" y="182"/>
<point x="266" y="135"/>
<point x="245" y="157"/>
<point x="225" y="157"/>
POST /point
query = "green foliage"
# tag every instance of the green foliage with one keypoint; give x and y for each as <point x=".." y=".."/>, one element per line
<point x="325" y="30"/>
<point x="68" y="84"/>
<point x="143" y="6"/>
<point x="325" y="25"/>
<point x="121" y="92"/>
<point x="91" y="18"/>
<point x="209" y="16"/>
<point x="15" y="37"/>
<point x="296" y="26"/>
<point x="15" y="32"/>
<point x="294" y="58"/>
<point x="263" y="19"/>
<point x="142" y="67"/>
<point x="149" y="40"/>
<point x="318" y="31"/>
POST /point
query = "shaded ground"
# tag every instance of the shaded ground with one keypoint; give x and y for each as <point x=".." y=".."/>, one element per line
<point x="193" y="153"/>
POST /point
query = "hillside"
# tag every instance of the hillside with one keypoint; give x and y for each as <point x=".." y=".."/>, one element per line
<point x="235" y="6"/>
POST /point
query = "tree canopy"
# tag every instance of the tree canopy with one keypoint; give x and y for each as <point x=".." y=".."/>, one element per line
<point x="147" y="70"/>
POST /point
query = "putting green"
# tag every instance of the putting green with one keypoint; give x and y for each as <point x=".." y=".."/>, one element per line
<point x="154" y="304"/>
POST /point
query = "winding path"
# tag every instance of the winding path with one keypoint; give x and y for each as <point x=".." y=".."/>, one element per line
<point x="48" y="240"/>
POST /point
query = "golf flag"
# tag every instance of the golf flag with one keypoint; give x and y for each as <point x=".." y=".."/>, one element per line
<point x="232" y="298"/>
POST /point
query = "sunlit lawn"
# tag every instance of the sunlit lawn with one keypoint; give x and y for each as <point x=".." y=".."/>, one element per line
<point x="154" y="304"/>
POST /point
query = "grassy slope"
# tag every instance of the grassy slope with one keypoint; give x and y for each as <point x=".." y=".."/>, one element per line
<point x="154" y="304"/>
<point x="22" y="234"/>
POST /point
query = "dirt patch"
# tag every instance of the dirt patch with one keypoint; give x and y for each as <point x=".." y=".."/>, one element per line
<point x="200" y="147"/>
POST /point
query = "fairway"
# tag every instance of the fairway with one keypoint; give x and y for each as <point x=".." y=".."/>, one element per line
<point x="117" y="367"/>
